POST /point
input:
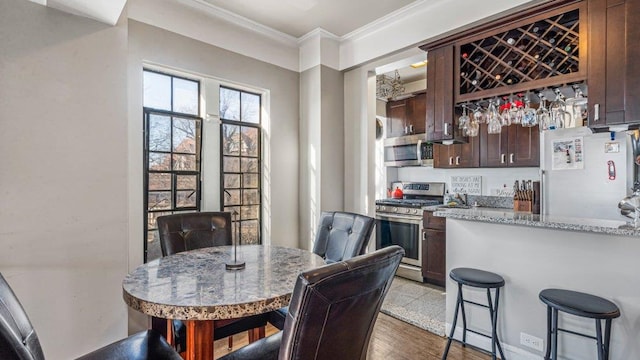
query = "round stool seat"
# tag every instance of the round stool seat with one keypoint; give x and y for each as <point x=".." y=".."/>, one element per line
<point x="580" y="304"/>
<point x="476" y="278"/>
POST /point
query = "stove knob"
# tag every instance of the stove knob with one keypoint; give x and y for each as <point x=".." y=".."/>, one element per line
<point x="382" y="208"/>
<point x="377" y="207"/>
<point x="395" y="209"/>
<point x="415" y="211"/>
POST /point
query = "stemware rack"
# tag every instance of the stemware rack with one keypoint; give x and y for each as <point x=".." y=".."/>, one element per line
<point x="542" y="51"/>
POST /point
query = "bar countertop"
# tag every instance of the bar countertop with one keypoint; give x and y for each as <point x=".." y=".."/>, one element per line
<point x="509" y="217"/>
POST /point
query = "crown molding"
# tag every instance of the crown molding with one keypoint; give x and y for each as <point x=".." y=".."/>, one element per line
<point x="241" y="21"/>
<point x="319" y="32"/>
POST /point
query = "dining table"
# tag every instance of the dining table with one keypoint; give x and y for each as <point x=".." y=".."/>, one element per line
<point x="196" y="287"/>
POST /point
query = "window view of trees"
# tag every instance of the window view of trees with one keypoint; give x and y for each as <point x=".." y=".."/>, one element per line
<point x="172" y="151"/>
<point x="240" y="167"/>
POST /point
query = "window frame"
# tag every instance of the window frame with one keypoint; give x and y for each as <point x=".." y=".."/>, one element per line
<point x="259" y="157"/>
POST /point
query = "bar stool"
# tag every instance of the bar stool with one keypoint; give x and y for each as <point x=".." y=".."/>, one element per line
<point x="579" y="304"/>
<point x="478" y="279"/>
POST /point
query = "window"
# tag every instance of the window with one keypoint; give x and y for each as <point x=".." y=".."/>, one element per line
<point x="240" y="141"/>
<point x="172" y="151"/>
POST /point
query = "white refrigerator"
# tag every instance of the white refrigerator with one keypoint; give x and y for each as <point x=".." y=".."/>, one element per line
<point x="585" y="174"/>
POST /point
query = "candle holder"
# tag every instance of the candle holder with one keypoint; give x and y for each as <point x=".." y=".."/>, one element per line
<point x="235" y="264"/>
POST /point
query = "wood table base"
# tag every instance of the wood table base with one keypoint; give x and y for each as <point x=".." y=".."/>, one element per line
<point x="199" y="339"/>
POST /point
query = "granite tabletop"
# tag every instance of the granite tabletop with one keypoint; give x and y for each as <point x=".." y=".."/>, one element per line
<point x="509" y="217"/>
<point x="194" y="285"/>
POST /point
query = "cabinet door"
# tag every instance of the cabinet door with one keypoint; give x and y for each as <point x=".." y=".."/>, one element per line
<point x="417" y="113"/>
<point x="441" y="157"/>
<point x="396" y="118"/>
<point x="434" y="268"/>
<point x="524" y="146"/>
<point x="614" y="69"/>
<point x="467" y="155"/>
<point x="439" y="98"/>
<point x="493" y="147"/>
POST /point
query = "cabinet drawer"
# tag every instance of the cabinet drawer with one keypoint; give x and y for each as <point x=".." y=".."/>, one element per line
<point x="433" y="222"/>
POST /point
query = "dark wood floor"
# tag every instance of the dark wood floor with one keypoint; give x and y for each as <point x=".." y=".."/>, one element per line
<point x="392" y="339"/>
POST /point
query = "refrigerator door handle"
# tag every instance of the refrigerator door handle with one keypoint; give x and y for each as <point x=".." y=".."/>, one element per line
<point x="503" y="158"/>
<point x="511" y="158"/>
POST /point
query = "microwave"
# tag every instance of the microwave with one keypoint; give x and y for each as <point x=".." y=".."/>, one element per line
<point x="411" y="150"/>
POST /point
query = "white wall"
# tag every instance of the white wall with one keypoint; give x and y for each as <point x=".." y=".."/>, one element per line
<point x="531" y="260"/>
<point x="63" y="214"/>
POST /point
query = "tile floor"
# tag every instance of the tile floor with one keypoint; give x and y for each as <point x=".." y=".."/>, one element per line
<point x="419" y="304"/>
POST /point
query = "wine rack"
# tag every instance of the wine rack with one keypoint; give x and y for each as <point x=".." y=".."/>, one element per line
<point x="537" y="52"/>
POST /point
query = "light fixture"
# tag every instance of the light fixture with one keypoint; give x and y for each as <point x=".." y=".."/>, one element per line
<point x="388" y="87"/>
<point x="419" y="64"/>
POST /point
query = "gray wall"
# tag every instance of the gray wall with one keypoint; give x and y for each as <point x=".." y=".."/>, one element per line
<point x="63" y="179"/>
<point x="154" y="45"/>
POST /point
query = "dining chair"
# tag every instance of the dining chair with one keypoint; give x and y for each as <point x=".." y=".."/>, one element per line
<point x="197" y="230"/>
<point x="19" y="341"/>
<point x="332" y="311"/>
<point x="339" y="236"/>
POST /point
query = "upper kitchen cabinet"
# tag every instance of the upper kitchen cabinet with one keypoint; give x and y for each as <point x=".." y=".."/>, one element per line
<point x="545" y="47"/>
<point x="396" y="118"/>
<point x="465" y="155"/>
<point x="515" y="146"/>
<point x="614" y="65"/>
<point x="406" y="116"/>
<point x="439" y="97"/>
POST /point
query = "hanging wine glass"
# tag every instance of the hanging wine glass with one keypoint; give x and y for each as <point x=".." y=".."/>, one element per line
<point x="542" y="115"/>
<point x="579" y="106"/>
<point x="529" y="118"/>
<point x="494" y="125"/>
<point x="478" y="114"/>
<point x="505" y="113"/>
<point x="473" y="128"/>
<point x="463" y="120"/>
<point x="517" y="110"/>
<point x="560" y="117"/>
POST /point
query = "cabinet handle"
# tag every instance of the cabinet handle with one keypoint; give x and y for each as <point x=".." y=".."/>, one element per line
<point x="424" y="235"/>
<point x="450" y="160"/>
<point x="446" y="129"/>
<point x="503" y="158"/>
<point x="457" y="160"/>
<point x="511" y="158"/>
<point x="596" y="112"/>
<point x="411" y="129"/>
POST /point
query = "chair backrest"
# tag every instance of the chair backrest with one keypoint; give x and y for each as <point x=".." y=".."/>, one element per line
<point x="18" y="339"/>
<point x="333" y="308"/>
<point x="342" y="235"/>
<point x="190" y="231"/>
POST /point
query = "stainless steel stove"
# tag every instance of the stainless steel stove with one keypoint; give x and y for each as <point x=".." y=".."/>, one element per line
<point x="399" y="222"/>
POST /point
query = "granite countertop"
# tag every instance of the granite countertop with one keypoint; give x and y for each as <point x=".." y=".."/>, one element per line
<point x="194" y="285"/>
<point x="509" y="217"/>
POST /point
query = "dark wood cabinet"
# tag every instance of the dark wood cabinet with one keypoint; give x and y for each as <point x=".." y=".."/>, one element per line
<point x="396" y="117"/>
<point x="407" y="116"/>
<point x="515" y="146"/>
<point x="457" y="155"/>
<point x="439" y="96"/>
<point x="434" y="247"/>
<point x="614" y="65"/>
<point x="417" y="113"/>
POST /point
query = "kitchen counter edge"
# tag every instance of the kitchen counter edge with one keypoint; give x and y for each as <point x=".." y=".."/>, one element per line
<point x="509" y="217"/>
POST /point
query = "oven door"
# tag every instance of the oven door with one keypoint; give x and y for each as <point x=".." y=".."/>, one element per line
<point x="403" y="231"/>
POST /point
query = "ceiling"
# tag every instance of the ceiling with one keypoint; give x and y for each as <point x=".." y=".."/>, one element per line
<point x="298" y="17"/>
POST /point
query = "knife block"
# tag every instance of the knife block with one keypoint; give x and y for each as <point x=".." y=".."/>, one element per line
<point x="523" y="206"/>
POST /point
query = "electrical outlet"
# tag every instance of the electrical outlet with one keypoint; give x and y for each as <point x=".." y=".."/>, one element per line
<point x="531" y="341"/>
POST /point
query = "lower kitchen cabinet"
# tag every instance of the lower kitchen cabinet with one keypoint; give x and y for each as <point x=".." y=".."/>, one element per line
<point x="434" y="246"/>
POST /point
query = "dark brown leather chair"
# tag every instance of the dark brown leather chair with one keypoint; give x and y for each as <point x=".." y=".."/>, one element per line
<point x="340" y="236"/>
<point x="332" y="311"/>
<point x="190" y="231"/>
<point x="19" y="341"/>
